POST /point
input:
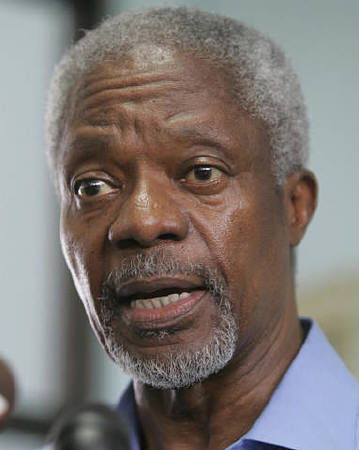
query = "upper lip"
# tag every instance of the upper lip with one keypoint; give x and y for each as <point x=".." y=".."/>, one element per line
<point x="141" y="288"/>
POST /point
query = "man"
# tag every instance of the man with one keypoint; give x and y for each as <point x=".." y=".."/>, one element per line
<point x="179" y="143"/>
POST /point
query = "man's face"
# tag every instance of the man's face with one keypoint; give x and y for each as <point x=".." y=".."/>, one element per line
<point x="167" y="194"/>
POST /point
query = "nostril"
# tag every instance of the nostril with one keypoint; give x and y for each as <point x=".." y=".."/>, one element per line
<point x="124" y="244"/>
<point x="168" y="237"/>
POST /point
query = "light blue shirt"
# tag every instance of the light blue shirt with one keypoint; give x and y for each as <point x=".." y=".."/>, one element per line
<point x="314" y="407"/>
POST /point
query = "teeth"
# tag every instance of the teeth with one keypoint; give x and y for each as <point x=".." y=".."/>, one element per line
<point x="137" y="304"/>
<point x="159" y="302"/>
<point x="165" y="300"/>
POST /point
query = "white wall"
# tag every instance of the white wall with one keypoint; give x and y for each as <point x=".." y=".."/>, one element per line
<point x="31" y="36"/>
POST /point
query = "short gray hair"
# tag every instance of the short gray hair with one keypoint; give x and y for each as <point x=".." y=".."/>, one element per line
<point x="263" y="80"/>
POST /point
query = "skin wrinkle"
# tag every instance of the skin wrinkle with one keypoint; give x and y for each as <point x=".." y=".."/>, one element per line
<point x="241" y="230"/>
<point x="109" y="87"/>
<point x="96" y="85"/>
<point x="82" y="143"/>
<point x="85" y="145"/>
<point x="93" y="103"/>
<point x="119" y="87"/>
<point x="102" y="117"/>
<point x="262" y="80"/>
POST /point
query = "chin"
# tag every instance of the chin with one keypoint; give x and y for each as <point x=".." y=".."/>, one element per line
<point x="168" y="366"/>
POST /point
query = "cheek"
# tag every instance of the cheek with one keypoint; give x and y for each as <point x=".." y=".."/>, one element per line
<point x="258" y="261"/>
<point x="80" y="247"/>
<point x="247" y="240"/>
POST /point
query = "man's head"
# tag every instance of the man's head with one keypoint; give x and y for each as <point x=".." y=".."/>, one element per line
<point x="260" y="76"/>
<point x="179" y="141"/>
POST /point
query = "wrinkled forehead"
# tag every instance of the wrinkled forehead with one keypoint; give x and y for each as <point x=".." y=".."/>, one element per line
<point x="199" y="72"/>
<point x="173" y="92"/>
<point x="161" y="76"/>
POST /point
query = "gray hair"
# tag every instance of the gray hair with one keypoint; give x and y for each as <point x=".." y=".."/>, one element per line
<point x="263" y="80"/>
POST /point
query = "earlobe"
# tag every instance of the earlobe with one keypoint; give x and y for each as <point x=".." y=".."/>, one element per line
<point x="301" y="191"/>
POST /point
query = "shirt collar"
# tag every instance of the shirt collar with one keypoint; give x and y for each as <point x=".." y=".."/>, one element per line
<point x="313" y="407"/>
<point x="315" y="404"/>
<point x="128" y="409"/>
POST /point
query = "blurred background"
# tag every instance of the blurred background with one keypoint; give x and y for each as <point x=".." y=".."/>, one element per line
<point x="44" y="334"/>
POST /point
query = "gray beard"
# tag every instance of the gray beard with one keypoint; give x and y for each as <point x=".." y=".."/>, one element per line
<point x="171" y="370"/>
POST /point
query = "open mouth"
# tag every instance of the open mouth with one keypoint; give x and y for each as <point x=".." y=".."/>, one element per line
<point x="153" y="293"/>
<point x="156" y="301"/>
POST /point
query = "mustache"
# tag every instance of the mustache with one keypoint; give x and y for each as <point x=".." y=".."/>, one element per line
<point x="160" y="263"/>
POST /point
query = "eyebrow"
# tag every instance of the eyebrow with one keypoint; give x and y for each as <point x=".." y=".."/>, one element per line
<point x="84" y="146"/>
<point x="96" y="139"/>
<point x="204" y="137"/>
<point x="100" y="136"/>
<point x="89" y="143"/>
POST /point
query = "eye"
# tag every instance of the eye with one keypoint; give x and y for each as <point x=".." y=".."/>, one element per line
<point x="92" y="187"/>
<point x="205" y="179"/>
<point x="203" y="174"/>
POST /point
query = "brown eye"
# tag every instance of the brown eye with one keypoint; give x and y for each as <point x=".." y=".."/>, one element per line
<point x="203" y="173"/>
<point x="91" y="188"/>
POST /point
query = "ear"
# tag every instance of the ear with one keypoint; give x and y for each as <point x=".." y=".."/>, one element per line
<point x="300" y="196"/>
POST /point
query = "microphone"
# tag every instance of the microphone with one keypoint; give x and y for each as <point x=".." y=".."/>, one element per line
<point x="93" y="427"/>
<point x="7" y="391"/>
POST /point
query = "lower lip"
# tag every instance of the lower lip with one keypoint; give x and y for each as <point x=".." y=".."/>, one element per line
<point x="157" y="318"/>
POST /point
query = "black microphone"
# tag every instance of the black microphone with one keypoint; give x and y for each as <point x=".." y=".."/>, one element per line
<point x="7" y="391"/>
<point x="93" y="427"/>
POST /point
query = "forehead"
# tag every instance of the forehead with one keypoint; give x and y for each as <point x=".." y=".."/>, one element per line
<point x="161" y="91"/>
<point x="149" y="73"/>
<point x="153" y="59"/>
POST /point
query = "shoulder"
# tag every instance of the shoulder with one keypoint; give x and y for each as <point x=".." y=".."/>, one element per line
<point x="316" y="404"/>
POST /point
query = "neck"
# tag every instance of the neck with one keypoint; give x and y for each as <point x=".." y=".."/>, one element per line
<point x="195" y="417"/>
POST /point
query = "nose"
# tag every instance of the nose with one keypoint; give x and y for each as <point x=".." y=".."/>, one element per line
<point x="147" y="216"/>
